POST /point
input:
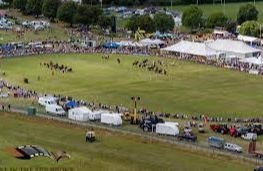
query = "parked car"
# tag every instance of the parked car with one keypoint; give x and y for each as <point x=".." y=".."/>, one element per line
<point x="256" y="128"/>
<point x="259" y="168"/>
<point x="201" y="128"/>
<point x="220" y="128"/>
<point x="249" y="136"/>
<point x="216" y="142"/>
<point x="188" y="136"/>
<point x="233" y="147"/>
<point x="241" y="131"/>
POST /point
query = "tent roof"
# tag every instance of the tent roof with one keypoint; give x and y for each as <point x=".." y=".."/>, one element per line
<point x="82" y="109"/>
<point x="192" y="48"/>
<point x="148" y="41"/>
<point x="247" y="38"/>
<point x="252" y="60"/>
<point x="225" y="45"/>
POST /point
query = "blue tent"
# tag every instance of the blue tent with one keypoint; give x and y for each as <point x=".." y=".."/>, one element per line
<point x="110" y="45"/>
<point x="71" y="104"/>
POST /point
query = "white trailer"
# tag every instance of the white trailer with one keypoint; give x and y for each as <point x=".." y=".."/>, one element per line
<point x="111" y="119"/>
<point x="79" y="113"/>
<point x="167" y="128"/>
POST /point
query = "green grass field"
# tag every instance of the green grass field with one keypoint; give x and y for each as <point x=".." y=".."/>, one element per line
<point x="112" y="151"/>
<point x="56" y="31"/>
<point x="188" y="87"/>
<point x="231" y="9"/>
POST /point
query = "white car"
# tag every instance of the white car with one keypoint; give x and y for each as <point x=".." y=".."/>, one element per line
<point x="233" y="147"/>
<point x="249" y="136"/>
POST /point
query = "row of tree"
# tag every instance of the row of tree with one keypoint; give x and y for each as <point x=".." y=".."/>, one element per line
<point x="68" y="12"/>
<point x="153" y="2"/>
<point x="194" y="19"/>
<point x="160" y="21"/>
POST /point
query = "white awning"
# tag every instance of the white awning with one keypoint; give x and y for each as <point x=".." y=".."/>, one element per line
<point x="226" y="45"/>
<point x="256" y="61"/>
<point x="248" y="39"/>
<point x="193" y="48"/>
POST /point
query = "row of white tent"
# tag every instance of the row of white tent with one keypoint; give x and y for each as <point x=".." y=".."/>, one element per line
<point x="142" y="43"/>
<point x="84" y="114"/>
<point x="214" y="48"/>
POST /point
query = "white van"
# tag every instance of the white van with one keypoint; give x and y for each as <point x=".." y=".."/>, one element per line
<point x="55" y="109"/>
<point x="249" y="136"/>
<point x="47" y="100"/>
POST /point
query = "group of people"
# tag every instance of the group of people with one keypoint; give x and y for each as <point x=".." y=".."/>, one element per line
<point x="17" y="90"/>
<point x="57" y="67"/>
<point x="154" y="66"/>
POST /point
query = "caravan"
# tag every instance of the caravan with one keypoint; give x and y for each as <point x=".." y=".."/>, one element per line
<point x="79" y="113"/>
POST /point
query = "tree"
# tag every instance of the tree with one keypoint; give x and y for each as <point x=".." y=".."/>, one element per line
<point x="104" y="22"/>
<point x="250" y="28"/>
<point x="50" y="8"/>
<point x="9" y="2"/>
<point x="231" y="26"/>
<point x="34" y="7"/>
<point x="247" y="12"/>
<point x="163" y="22"/>
<point x="66" y="12"/>
<point x="216" y="19"/>
<point x="87" y="15"/>
<point x="144" y="22"/>
<point x="192" y="17"/>
<point x="20" y="4"/>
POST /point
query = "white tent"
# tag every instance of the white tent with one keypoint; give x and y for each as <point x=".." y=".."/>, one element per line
<point x="167" y="128"/>
<point x="150" y="42"/>
<point x="125" y="43"/>
<point x="111" y="119"/>
<point x="79" y="113"/>
<point x="252" y="60"/>
<point x="233" y="47"/>
<point x="221" y="32"/>
<point x="248" y="39"/>
<point x="192" y="48"/>
<point x="95" y="115"/>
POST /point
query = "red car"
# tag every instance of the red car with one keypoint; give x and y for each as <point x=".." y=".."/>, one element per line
<point x="220" y="128"/>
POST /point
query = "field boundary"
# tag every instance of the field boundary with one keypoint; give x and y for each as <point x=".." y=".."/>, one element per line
<point x="151" y="136"/>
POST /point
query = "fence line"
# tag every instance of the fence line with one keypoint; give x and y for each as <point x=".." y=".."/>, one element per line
<point x="150" y="136"/>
